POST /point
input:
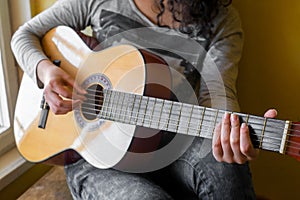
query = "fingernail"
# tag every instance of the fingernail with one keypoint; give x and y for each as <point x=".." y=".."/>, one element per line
<point x="244" y="125"/>
<point x="275" y="111"/>
<point x="233" y="117"/>
<point x="226" y="115"/>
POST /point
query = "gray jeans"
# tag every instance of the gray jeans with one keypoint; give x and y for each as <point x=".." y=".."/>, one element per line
<point x="190" y="177"/>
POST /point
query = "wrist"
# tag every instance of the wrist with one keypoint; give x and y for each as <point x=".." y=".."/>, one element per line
<point x="41" y="71"/>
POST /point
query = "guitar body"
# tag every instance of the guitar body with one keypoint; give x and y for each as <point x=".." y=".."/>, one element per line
<point x="102" y="143"/>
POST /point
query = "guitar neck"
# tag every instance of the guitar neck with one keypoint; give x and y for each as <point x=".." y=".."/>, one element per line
<point x="268" y="134"/>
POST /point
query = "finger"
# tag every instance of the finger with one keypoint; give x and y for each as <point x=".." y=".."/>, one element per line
<point x="225" y="139"/>
<point x="74" y="85"/>
<point x="238" y="157"/>
<point x="76" y="103"/>
<point x="56" y="103"/>
<point x="77" y="96"/>
<point x="66" y="91"/>
<point x="63" y="91"/>
<point x="216" y="142"/>
<point x="271" y="113"/>
<point x="247" y="148"/>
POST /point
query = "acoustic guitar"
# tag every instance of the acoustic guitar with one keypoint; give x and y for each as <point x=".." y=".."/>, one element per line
<point x="127" y="93"/>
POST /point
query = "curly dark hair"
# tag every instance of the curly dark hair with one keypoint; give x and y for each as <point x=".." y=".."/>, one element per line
<point x="194" y="16"/>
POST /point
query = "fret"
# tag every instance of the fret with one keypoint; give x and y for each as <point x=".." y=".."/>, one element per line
<point x="255" y="125"/>
<point x="202" y="119"/>
<point x="156" y="113"/>
<point x="132" y="108"/>
<point x="179" y="118"/>
<point x="115" y="105"/>
<point x="141" y="111"/>
<point x="129" y="102"/>
<point x="169" y="114"/>
<point x="208" y="123"/>
<point x="185" y="118"/>
<point x="215" y="121"/>
<point x="152" y="111"/>
<point x="122" y="110"/>
<point x="108" y="102"/>
<point x="174" y="116"/>
<point x="110" y="108"/>
<point x="146" y="108"/>
<point x="138" y="106"/>
<point x="160" y="115"/>
<point x="205" y="122"/>
<point x="149" y="109"/>
<point x="120" y="106"/>
<point x="112" y="105"/>
<point x="105" y="100"/>
<point x="189" y="122"/>
<point x="196" y="120"/>
<point x="126" y="109"/>
<point x="103" y="105"/>
<point x="262" y="133"/>
<point x="165" y="115"/>
<point x="247" y="118"/>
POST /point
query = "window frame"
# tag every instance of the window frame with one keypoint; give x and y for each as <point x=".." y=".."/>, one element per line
<point x="10" y="75"/>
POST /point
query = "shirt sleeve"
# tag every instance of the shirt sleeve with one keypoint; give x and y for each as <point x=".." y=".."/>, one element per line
<point x="220" y="66"/>
<point x="25" y="42"/>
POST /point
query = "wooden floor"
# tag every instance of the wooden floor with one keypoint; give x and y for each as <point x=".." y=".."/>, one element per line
<point x="51" y="186"/>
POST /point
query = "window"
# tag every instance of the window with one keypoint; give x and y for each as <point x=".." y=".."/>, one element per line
<point x="8" y="81"/>
<point x="4" y="123"/>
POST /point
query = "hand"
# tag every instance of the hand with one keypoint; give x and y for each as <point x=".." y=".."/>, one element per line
<point x="231" y="141"/>
<point x="58" y="88"/>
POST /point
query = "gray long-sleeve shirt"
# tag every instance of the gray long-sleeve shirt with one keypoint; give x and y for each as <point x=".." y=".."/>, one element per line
<point x="216" y="60"/>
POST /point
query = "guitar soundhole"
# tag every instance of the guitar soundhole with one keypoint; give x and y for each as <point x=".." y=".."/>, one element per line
<point x="94" y="100"/>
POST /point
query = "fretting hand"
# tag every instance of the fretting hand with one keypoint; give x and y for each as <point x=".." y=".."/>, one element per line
<point x="231" y="141"/>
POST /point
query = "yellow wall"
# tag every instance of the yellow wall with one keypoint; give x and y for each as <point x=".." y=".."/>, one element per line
<point x="39" y="5"/>
<point x="269" y="77"/>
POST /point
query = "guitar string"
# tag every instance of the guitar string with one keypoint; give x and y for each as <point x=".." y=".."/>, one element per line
<point x="176" y="125"/>
<point x="186" y="127"/>
<point x="266" y="144"/>
<point x="240" y="114"/>
<point x="251" y="123"/>
<point x="137" y="113"/>
<point x="189" y="126"/>
<point x="261" y="118"/>
<point x="182" y="116"/>
<point x="145" y="111"/>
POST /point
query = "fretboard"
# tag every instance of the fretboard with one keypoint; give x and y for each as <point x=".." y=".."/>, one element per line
<point x="188" y="119"/>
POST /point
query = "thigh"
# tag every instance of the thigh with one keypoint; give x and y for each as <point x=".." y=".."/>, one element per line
<point x="88" y="182"/>
<point x="199" y="174"/>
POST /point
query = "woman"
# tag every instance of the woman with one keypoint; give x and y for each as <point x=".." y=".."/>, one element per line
<point x="196" y="174"/>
